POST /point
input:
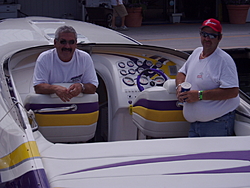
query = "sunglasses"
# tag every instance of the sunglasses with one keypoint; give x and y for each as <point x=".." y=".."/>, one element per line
<point x="70" y="42"/>
<point x="209" y="35"/>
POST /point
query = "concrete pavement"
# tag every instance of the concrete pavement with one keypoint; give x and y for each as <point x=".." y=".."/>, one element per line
<point x="185" y="36"/>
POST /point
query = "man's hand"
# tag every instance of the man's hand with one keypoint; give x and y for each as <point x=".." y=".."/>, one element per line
<point x="60" y="91"/>
<point x="63" y="93"/>
<point x="187" y="96"/>
<point x="75" y="89"/>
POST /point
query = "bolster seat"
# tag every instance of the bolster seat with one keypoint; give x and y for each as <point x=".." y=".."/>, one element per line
<point x="156" y="114"/>
<point x="58" y="121"/>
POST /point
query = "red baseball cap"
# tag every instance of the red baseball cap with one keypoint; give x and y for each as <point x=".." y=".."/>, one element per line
<point x="212" y="23"/>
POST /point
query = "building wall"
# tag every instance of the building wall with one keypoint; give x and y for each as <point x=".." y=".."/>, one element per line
<point x="156" y="10"/>
<point x="52" y="8"/>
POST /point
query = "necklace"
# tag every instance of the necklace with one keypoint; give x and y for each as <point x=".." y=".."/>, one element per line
<point x="202" y="56"/>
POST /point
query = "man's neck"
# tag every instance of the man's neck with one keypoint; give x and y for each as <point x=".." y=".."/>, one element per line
<point x="205" y="53"/>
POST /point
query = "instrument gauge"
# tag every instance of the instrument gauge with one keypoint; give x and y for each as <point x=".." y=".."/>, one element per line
<point x="149" y="63"/>
<point x="139" y="63"/>
<point x="128" y="81"/>
<point x="123" y="72"/>
<point x="130" y="63"/>
<point x="121" y="64"/>
<point x="140" y="69"/>
<point x="131" y="71"/>
<point x="151" y="72"/>
<point x="158" y="64"/>
<point x="159" y="80"/>
<point x="143" y="80"/>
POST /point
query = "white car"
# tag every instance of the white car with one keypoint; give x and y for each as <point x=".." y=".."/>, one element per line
<point x="131" y="133"/>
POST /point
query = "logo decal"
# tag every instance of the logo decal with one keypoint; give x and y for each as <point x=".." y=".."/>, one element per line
<point x="200" y="75"/>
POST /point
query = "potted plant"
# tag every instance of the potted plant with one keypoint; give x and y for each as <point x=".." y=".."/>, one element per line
<point x="137" y="3"/>
<point x="135" y="10"/>
<point x="237" y="10"/>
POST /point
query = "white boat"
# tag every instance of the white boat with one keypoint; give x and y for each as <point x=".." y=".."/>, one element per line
<point x="118" y="137"/>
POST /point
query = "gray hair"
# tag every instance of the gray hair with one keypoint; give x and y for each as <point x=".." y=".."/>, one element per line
<point x="65" y="29"/>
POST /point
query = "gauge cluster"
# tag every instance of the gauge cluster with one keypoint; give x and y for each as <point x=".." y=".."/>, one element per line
<point x="130" y="69"/>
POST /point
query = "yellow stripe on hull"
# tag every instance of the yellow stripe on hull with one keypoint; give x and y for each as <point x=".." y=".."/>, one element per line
<point x="66" y="119"/>
<point x="159" y="116"/>
<point x="22" y="153"/>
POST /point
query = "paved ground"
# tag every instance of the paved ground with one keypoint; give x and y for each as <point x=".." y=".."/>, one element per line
<point x="185" y="36"/>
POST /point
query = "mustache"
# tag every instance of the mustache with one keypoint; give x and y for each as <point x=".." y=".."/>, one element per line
<point x="67" y="49"/>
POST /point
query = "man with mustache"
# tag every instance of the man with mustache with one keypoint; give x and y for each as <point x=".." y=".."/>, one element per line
<point x="210" y="104"/>
<point x="65" y="64"/>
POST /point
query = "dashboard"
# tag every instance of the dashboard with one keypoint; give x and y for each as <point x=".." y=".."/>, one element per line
<point x="123" y="69"/>
<point x="129" y="68"/>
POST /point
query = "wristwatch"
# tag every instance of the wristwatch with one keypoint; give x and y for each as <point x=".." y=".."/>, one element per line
<point x="83" y="87"/>
<point x="177" y="86"/>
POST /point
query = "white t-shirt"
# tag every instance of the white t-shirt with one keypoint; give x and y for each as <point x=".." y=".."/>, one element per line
<point x="216" y="71"/>
<point x="50" y="69"/>
<point x="114" y="2"/>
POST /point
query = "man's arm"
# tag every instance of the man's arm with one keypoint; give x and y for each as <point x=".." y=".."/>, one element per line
<point x="77" y="88"/>
<point x="180" y="78"/>
<point x="64" y="93"/>
<point x="212" y="94"/>
<point x="45" y="88"/>
<point x="220" y="93"/>
<point x="89" y="88"/>
<point x="60" y="91"/>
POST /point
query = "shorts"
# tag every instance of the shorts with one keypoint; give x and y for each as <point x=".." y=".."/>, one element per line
<point x="120" y="11"/>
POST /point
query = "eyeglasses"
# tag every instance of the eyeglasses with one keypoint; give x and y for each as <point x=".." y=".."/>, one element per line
<point x="70" y="42"/>
<point x="209" y="35"/>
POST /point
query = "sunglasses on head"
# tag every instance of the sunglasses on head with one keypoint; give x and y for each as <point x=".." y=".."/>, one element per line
<point x="64" y="42"/>
<point x="209" y="35"/>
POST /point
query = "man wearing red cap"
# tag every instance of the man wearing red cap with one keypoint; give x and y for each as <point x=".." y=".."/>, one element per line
<point x="210" y="104"/>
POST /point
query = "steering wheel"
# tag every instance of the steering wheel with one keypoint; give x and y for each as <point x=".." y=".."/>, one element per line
<point x="147" y="70"/>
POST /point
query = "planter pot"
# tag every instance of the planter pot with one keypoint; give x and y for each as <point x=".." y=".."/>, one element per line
<point x="175" y="17"/>
<point x="237" y="13"/>
<point x="134" y="17"/>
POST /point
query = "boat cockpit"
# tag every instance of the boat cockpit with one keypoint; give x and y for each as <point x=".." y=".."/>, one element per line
<point x="135" y="99"/>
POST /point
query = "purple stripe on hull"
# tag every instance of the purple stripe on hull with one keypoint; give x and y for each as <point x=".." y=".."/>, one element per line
<point x="31" y="179"/>
<point x="157" y="105"/>
<point x="129" y="39"/>
<point x="81" y="108"/>
<point x="226" y="155"/>
<point x="243" y="169"/>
